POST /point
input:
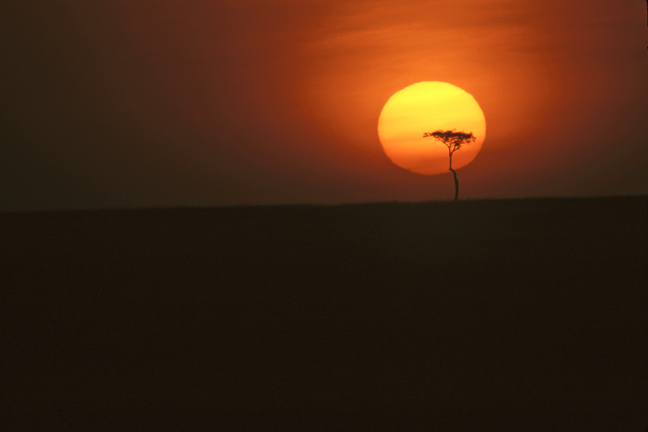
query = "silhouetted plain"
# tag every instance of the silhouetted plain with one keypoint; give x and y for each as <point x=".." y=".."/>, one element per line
<point x="525" y="315"/>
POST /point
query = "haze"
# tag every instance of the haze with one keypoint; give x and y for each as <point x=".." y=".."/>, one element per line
<point x="160" y="102"/>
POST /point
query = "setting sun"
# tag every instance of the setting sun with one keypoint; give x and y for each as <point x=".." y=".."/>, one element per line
<point x="425" y="107"/>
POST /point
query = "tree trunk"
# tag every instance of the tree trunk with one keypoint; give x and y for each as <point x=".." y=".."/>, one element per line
<point x="455" y="179"/>
<point x="456" y="184"/>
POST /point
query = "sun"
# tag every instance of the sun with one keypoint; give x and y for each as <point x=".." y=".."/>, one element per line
<point x="426" y="107"/>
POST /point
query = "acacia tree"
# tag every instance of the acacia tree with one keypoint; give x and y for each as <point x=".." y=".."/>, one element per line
<point x="453" y="140"/>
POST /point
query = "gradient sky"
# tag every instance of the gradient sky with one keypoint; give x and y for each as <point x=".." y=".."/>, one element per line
<point x="126" y="103"/>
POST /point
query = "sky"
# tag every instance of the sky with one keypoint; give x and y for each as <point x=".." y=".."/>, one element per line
<point x="140" y="103"/>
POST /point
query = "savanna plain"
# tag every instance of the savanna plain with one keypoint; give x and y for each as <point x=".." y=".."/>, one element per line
<point x="490" y="315"/>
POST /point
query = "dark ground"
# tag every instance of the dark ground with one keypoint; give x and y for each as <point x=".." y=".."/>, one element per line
<point x="516" y="315"/>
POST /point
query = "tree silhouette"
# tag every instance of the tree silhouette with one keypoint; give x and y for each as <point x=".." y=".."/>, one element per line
<point x="453" y="140"/>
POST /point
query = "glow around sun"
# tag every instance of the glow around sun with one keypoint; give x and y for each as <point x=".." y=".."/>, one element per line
<point x="426" y="107"/>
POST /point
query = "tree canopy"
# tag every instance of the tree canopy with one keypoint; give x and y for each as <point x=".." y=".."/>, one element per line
<point x="451" y="138"/>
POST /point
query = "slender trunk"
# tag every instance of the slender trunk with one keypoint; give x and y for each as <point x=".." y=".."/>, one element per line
<point x="455" y="179"/>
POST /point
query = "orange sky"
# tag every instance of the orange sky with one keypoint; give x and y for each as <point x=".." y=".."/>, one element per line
<point x="196" y="102"/>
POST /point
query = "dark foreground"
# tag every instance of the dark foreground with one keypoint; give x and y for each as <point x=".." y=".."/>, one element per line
<point x="522" y="315"/>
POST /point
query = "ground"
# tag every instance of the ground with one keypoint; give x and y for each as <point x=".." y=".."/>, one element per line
<point x="524" y="315"/>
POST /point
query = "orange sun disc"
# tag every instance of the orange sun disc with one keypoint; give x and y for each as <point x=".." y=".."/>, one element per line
<point x="429" y="106"/>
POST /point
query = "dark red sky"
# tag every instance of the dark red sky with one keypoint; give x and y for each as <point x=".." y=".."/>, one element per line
<point x="197" y="102"/>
